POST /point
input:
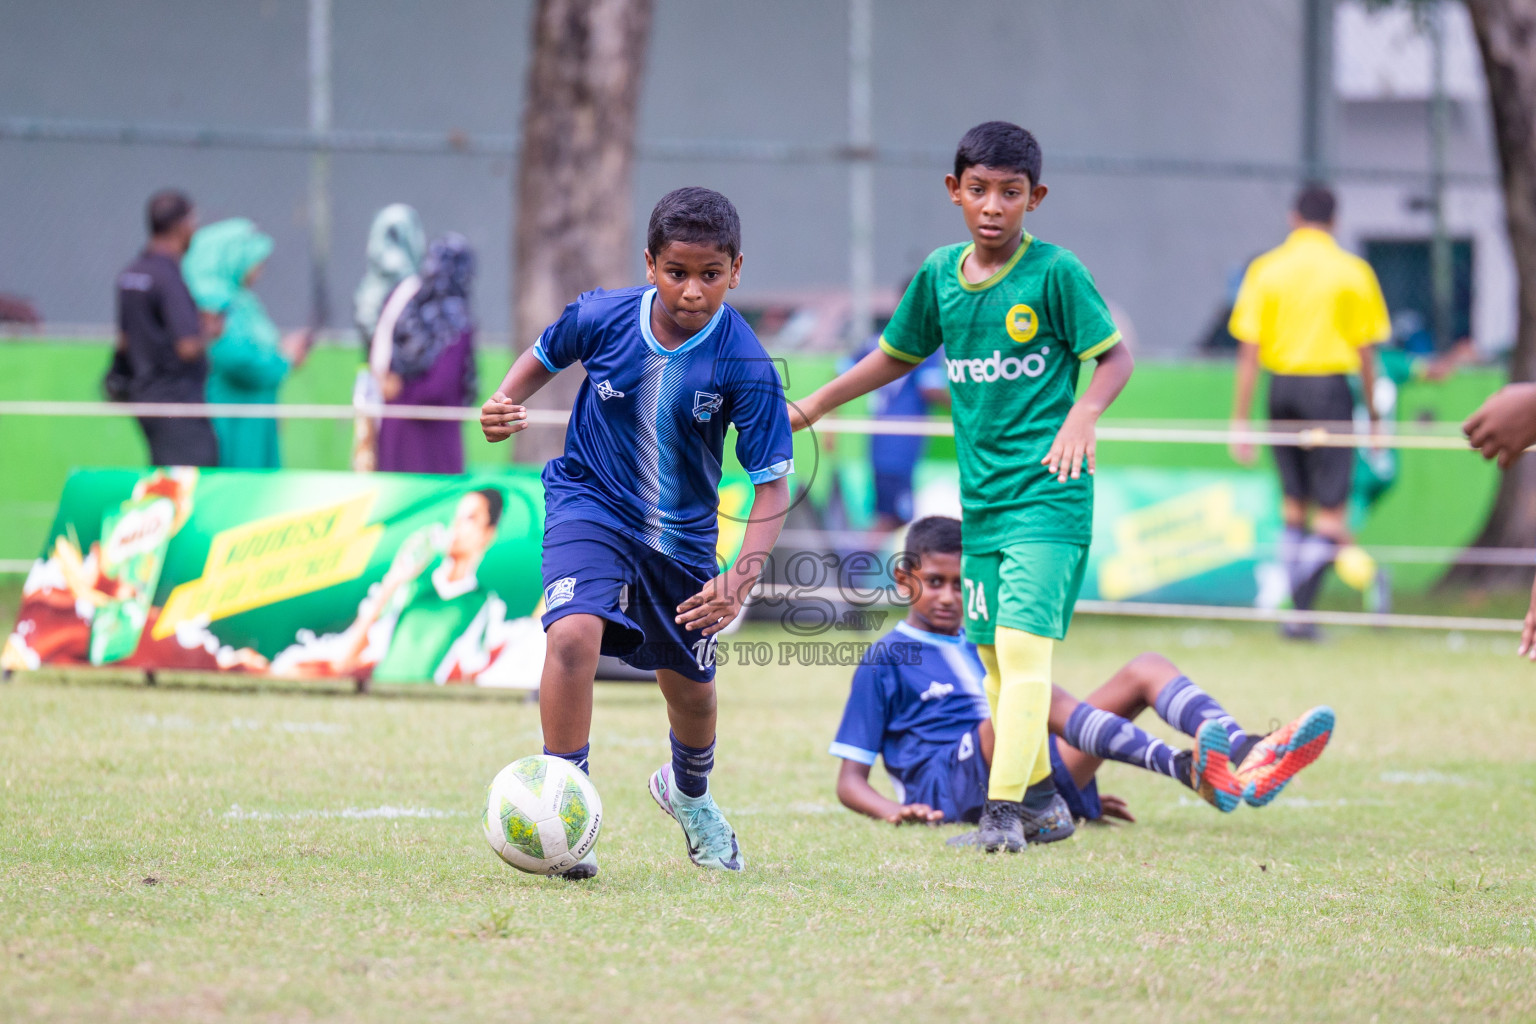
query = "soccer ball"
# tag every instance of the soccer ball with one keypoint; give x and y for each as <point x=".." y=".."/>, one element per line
<point x="542" y="814"/>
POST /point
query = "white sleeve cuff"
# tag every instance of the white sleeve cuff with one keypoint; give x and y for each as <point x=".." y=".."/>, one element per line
<point x="543" y="357"/>
<point x="848" y="752"/>
<point x="767" y="474"/>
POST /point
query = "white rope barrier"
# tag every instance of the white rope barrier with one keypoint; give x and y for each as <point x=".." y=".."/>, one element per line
<point x="228" y="410"/>
<point x="1307" y="434"/>
<point x="1392" y="554"/>
<point x="1391" y="620"/>
<point x="878" y="597"/>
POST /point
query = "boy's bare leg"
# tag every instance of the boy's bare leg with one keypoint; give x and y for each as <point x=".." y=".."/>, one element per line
<point x="690" y="707"/>
<point x="571" y="648"/>
<point x="1127" y="693"/>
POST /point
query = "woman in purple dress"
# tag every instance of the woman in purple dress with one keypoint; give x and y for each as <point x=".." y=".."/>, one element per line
<point x="431" y="360"/>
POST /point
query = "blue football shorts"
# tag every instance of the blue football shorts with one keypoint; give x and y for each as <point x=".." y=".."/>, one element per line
<point x="893" y="495"/>
<point x="590" y="568"/>
<point x="968" y="783"/>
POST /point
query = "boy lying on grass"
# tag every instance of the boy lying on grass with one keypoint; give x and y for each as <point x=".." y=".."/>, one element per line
<point x="923" y="709"/>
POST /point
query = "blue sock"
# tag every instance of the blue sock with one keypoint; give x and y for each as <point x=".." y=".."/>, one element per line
<point x="576" y="757"/>
<point x="691" y="766"/>
<point x="1185" y="706"/>
<point x="1105" y="734"/>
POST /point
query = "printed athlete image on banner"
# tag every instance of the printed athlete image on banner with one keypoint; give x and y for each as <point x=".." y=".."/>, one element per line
<point x="393" y="577"/>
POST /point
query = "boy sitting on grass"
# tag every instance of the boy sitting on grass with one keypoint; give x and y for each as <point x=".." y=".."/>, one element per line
<point x="1017" y="318"/>
<point x="631" y="508"/>
<point x="924" y="713"/>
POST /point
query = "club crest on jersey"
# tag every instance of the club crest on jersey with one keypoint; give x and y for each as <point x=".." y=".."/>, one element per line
<point x="559" y="592"/>
<point x="705" y="405"/>
<point x="1022" y="324"/>
<point x="606" y="391"/>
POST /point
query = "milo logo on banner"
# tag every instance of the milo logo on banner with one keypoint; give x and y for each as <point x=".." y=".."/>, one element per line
<point x="134" y="539"/>
<point x="140" y="528"/>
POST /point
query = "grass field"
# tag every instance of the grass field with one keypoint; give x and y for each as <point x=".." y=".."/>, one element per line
<point x="203" y="852"/>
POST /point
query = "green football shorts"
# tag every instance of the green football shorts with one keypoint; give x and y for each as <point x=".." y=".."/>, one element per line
<point x="1031" y="585"/>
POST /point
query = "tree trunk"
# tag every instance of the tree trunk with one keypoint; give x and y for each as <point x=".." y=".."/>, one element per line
<point x="573" y="181"/>
<point x="1506" y="35"/>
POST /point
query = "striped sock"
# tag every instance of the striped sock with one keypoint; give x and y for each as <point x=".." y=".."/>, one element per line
<point x="1185" y="706"/>
<point x="576" y="757"/>
<point x="1105" y="734"/>
<point x="691" y="766"/>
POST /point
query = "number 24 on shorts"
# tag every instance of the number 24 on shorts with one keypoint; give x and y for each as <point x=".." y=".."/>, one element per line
<point x="975" y="594"/>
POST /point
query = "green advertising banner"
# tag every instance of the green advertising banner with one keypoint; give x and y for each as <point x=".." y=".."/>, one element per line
<point x="1184" y="536"/>
<point x="391" y="577"/>
<point x="1180" y="536"/>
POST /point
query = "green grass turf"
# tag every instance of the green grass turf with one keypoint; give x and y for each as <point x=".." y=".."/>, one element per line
<point x="179" y="853"/>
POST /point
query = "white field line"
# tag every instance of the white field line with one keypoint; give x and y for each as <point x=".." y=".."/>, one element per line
<point x="237" y="813"/>
<point x="1393" y="554"/>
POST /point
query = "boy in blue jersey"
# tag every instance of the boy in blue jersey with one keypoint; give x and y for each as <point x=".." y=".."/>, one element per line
<point x="918" y="703"/>
<point x="631" y="507"/>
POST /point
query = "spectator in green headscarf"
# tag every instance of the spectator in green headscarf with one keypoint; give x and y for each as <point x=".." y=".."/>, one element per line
<point x="396" y="245"/>
<point x="250" y="359"/>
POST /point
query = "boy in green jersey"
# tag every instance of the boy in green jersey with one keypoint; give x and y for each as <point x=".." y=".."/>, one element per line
<point x="1017" y="317"/>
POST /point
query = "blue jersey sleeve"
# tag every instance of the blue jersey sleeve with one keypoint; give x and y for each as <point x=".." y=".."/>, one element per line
<point x="763" y="440"/>
<point x="862" y="732"/>
<point x="565" y="341"/>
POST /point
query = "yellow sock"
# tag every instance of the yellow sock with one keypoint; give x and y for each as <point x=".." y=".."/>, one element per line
<point x="1020" y="712"/>
<point x="992" y="681"/>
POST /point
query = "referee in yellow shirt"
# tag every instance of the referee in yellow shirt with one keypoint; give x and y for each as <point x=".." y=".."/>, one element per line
<point x="1311" y="314"/>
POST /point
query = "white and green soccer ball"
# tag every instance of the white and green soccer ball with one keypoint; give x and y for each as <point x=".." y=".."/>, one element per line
<point x="542" y="814"/>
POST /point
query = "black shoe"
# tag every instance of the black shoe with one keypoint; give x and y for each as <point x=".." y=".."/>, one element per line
<point x="1001" y="828"/>
<point x="583" y="869"/>
<point x="1050" y="825"/>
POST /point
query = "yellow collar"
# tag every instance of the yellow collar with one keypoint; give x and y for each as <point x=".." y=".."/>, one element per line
<point x="1003" y="272"/>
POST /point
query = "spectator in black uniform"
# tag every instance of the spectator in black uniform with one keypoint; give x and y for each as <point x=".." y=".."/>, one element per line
<point x="163" y="336"/>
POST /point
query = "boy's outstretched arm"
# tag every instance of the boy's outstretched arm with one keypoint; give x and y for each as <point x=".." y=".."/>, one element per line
<point x="503" y="414"/>
<point x="1074" y="442"/>
<point x="875" y="370"/>
<point x="856" y="794"/>
<point x="717" y="605"/>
